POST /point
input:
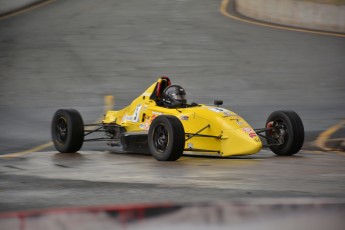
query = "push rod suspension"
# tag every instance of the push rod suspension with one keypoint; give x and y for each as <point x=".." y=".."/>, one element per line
<point x="194" y="134"/>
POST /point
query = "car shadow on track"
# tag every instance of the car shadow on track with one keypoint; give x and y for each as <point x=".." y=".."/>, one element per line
<point x="259" y="156"/>
<point x="68" y="160"/>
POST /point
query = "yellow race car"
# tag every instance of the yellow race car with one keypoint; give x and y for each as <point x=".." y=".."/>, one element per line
<point x="161" y="122"/>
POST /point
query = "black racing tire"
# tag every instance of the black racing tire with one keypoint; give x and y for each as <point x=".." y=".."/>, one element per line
<point x="67" y="130"/>
<point x="293" y="129"/>
<point x="166" y="138"/>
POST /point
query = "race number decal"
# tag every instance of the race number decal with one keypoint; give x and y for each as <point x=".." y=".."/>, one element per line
<point x="225" y="112"/>
<point x="136" y="114"/>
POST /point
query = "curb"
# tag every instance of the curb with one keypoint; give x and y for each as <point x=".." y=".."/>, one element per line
<point x="332" y="139"/>
<point x="9" y="8"/>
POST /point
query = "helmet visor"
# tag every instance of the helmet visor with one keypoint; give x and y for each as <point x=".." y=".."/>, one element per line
<point x="179" y="96"/>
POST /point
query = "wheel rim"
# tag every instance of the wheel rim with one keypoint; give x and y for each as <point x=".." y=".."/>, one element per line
<point x="279" y="130"/>
<point x="160" y="138"/>
<point x="61" y="130"/>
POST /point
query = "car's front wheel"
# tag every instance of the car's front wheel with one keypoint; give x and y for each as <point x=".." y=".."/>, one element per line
<point x="166" y="138"/>
<point x="285" y="133"/>
<point x="67" y="130"/>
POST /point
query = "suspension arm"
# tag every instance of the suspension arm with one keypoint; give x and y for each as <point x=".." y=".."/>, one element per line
<point x="191" y="135"/>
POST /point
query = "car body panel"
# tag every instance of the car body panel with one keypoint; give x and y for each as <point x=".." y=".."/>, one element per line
<point x="208" y="129"/>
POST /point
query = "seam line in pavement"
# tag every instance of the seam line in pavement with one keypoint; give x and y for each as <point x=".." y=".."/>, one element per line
<point x="224" y="6"/>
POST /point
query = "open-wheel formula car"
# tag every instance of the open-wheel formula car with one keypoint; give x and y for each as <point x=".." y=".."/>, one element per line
<point x="161" y="122"/>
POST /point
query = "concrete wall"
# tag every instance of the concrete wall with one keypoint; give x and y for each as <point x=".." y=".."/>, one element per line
<point x="11" y="5"/>
<point x="295" y="13"/>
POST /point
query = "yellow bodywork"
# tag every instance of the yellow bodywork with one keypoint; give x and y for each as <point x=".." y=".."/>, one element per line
<point x="223" y="131"/>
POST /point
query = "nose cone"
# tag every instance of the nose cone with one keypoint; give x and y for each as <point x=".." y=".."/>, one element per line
<point x="242" y="141"/>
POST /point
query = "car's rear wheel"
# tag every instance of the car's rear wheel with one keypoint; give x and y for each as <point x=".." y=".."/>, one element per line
<point x="67" y="130"/>
<point x="166" y="138"/>
<point x="285" y="136"/>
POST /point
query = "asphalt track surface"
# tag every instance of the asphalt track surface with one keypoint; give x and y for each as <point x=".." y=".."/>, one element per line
<point x="71" y="54"/>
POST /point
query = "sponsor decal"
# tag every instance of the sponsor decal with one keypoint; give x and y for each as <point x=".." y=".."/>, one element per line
<point x="127" y="118"/>
<point x="134" y="117"/>
<point x="184" y="117"/>
<point x="247" y="130"/>
<point x="148" y="120"/>
<point x="226" y="114"/>
<point x="250" y="132"/>
<point x="152" y="118"/>
<point x="216" y="109"/>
